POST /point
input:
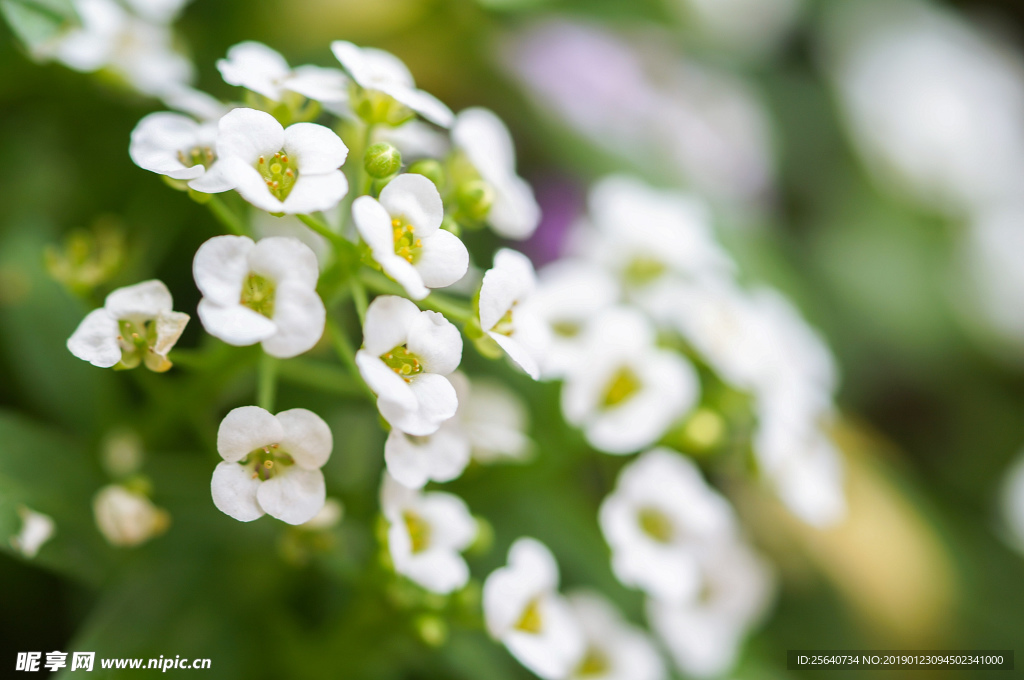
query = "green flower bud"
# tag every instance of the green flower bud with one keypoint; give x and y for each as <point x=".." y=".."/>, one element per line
<point x="382" y="160"/>
<point x="87" y="259"/>
<point x="430" y="169"/>
<point x="431" y="629"/>
<point x="475" y="198"/>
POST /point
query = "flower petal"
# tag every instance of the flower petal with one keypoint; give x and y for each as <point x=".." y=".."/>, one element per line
<point x="95" y="339"/>
<point x="423" y="103"/>
<point x="486" y="141"/>
<point x="214" y="181"/>
<point x="234" y="492"/>
<point x="371" y="67"/>
<point x="282" y="258"/>
<point x="256" y="67"/>
<point x="249" y="183"/>
<point x="306" y="437"/>
<point x="316" y="148"/>
<point x="514" y="213"/>
<point x="439" y="571"/>
<point x="518" y="353"/>
<point x="440" y="457"/>
<point x="143" y="301"/>
<point x="405" y="275"/>
<point x="299" y="316"/>
<point x="389" y="319"/>
<point x="315" y="193"/>
<point x="246" y="429"/>
<point x="293" y="496"/>
<point x="235" y="324"/>
<point x="157" y="140"/>
<point x="220" y="267"/>
<point x="415" y="199"/>
<point x="436" y="402"/>
<point x="389" y="387"/>
<point x="452" y="526"/>
<point x="436" y="341"/>
<point x="374" y="224"/>
<point x="169" y="327"/>
<point x="247" y="134"/>
<point x="325" y="85"/>
<point x="443" y="259"/>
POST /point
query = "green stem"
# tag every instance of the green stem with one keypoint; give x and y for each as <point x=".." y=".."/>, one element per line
<point x="321" y="376"/>
<point x="453" y="309"/>
<point x="359" y="298"/>
<point x="323" y="229"/>
<point x="343" y="348"/>
<point x="267" y="382"/>
<point x="365" y="181"/>
<point x="225" y="215"/>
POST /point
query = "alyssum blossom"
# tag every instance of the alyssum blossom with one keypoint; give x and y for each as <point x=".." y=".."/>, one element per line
<point x="658" y="520"/>
<point x="260" y="292"/>
<point x="36" y="529"/>
<point x="616" y="649"/>
<point x="175" y="145"/>
<point x="290" y="170"/>
<point x="262" y="70"/>
<point x="271" y="464"/>
<point x="405" y="357"/>
<point x="126" y="518"/>
<point x="523" y="609"/>
<point x="135" y="325"/>
<point x="403" y="230"/>
<point x="426" y="534"/>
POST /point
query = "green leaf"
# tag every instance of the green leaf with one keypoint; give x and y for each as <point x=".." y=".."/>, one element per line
<point x="37" y="22"/>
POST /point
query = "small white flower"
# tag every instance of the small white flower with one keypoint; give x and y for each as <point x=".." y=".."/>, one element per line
<point x="293" y="170"/>
<point x="260" y="292"/>
<point x="127" y="519"/>
<point x="328" y="517"/>
<point x="136" y="324"/>
<point x="376" y="70"/>
<point x="158" y="11"/>
<point x="616" y="649"/>
<point x="505" y="313"/>
<point x="403" y="230"/>
<point x="426" y="534"/>
<point x="624" y="392"/>
<point x="258" y="68"/>
<point x="487" y="144"/>
<point x="195" y="103"/>
<point x="405" y="357"/>
<point x="36" y="529"/>
<point x="1011" y="500"/>
<point x="523" y="610"/>
<point x="570" y="293"/>
<point x="658" y="519"/>
<point x="703" y="636"/>
<point x="271" y="464"/>
<point x="176" y="146"/>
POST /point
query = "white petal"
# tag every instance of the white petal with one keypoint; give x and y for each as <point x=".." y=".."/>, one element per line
<point x="414" y="199"/>
<point x="314" y="193"/>
<point x="371" y="67"/>
<point x="374" y="224"/>
<point x="423" y="103"/>
<point x="389" y="387"/>
<point x="247" y="134"/>
<point x="436" y="402"/>
<point x="509" y="281"/>
<point x="485" y="140"/>
<point x="559" y="647"/>
<point x="220" y="268"/>
<point x="515" y="212"/>
<point x="436" y="342"/>
<point x="388" y="321"/>
<point x="306" y="437"/>
<point x="440" y="457"/>
<point x="519" y="353"/>
<point x="235" y="325"/>
<point x="256" y="67"/>
<point x="169" y="327"/>
<point x="194" y="102"/>
<point x="531" y="571"/>
<point x="406" y="275"/>
<point x="95" y="339"/>
<point x="246" y="429"/>
<point x="157" y="140"/>
<point x="326" y="85"/>
<point x="249" y="183"/>
<point x="443" y="259"/>
<point x="214" y="181"/>
<point x="452" y="526"/>
<point x="317" y="149"/>
<point x="293" y="496"/>
<point x="143" y="301"/>
<point x="439" y="571"/>
<point x="299" y="316"/>
<point x="282" y="258"/>
<point x="234" y="491"/>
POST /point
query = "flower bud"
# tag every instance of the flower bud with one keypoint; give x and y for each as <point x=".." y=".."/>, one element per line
<point x="431" y="629"/>
<point x="475" y="198"/>
<point x="127" y="519"/>
<point x="430" y="169"/>
<point x="382" y="160"/>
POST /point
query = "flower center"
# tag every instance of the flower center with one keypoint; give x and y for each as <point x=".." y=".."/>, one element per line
<point x="505" y="325"/>
<point x="419" y="531"/>
<point x="407" y="246"/>
<point x="197" y="155"/>
<point x="374" y="107"/>
<point x="136" y="339"/>
<point x="566" y="329"/>
<point x="531" y="621"/>
<point x="623" y="385"/>
<point x="595" y="662"/>
<point x="267" y="462"/>
<point x="258" y="295"/>
<point x="655" y="524"/>
<point x="403" y="362"/>
<point x="643" y="270"/>
<point x="279" y="172"/>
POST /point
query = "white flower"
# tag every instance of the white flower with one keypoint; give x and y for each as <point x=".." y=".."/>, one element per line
<point x="403" y="230"/>
<point x="260" y="292"/>
<point x="616" y="649"/>
<point x="488" y="425"/>
<point x="271" y="464"/>
<point x="293" y="170"/>
<point x="265" y="225"/>
<point x="256" y="67"/>
<point x="405" y="357"/>
<point x="658" y="519"/>
<point x="523" y="609"/>
<point x="136" y="324"/>
<point x="36" y="529"/>
<point x="426" y="534"/>
<point x="487" y="144"/>
<point x="196" y="103"/>
<point x="158" y="11"/>
<point x="1012" y="503"/>
<point x="414" y="139"/>
<point x="624" y="392"/>
<point x="505" y="315"/>
<point x="328" y="517"/>
<point x="127" y="519"/>
<point x="174" y="145"/>
<point x="703" y="636"/>
<point x="570" y="293"/>
<point x="375" y="70"/>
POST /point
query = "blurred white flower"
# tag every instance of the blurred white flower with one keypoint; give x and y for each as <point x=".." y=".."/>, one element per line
<point x="403" y="230"/>
<point x="616" y="649"/>
<point x="136" y="324"/>
<point x="660" y="517"/>
<point x="36" y="529"/>
<point x="440" y="457"/>
<point x="293" y="170"/>
<point x="271" y="464"/>
<point x="523" y="610"/>
<point x="375" y="70"/>
<point x="1011" y="500"/>
<point x="990" y="249"/>
<point x="328" y="517"/>
<point x="505" y="314"/>
<point x="158" y="11"/>
<point x="935" y="107"/>
<point x="426" y="534"/>
<point x="703" y="636"/>
<point x="260" y="292"/>
<point x="488" y="146"/>
<point x="127" y="519"/>
<point x="262" y="70"/>
<point x="570" y="293"/>
<point x="174" y="145"/>
<point x="624" y="392"/>
<point x="414" y="139"/>
<point x="405" y="357"/>
<point x="196" y="103"/>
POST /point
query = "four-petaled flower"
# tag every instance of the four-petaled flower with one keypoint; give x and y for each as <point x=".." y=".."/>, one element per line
<point x="262" y="70"/>
<point x="176" y="146"/>
<point x="271" y="464"/>
<point x="616" y="649"/>
<point x="36" y="529"/>
<point x="505" y="314"/>
<point x="260" y="292"/>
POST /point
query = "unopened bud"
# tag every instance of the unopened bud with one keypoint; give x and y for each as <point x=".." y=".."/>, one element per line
<point x="430" y="169"/>
<point x="382" y="160"/>
<point x="432" y="630"/>
<point x="475" y="198"/>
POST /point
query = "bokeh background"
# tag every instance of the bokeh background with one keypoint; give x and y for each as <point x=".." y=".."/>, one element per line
<point x="745" y="102"/>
